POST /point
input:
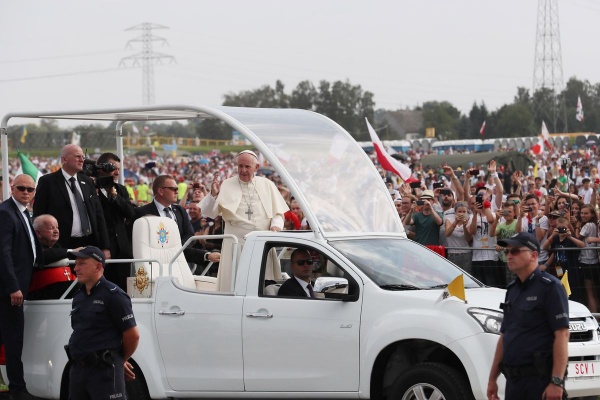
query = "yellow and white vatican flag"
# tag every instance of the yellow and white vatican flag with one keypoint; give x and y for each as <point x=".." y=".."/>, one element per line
<point x="565" y="282"/>
<point x="456" y="288"/>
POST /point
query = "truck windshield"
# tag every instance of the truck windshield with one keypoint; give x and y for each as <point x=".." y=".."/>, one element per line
<point x="399" y="264"/>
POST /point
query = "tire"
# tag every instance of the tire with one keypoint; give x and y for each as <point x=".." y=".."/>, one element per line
<point x="431" y="381"/>
<point x="137" y="388"/>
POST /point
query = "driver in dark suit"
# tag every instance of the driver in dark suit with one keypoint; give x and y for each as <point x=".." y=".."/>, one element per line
<point x="299" y="285"/>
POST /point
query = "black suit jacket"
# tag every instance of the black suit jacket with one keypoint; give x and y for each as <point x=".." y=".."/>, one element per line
<point x="51" y="197"/>
<point x="16" y="257"/>
<point x="185" y="229"/>
<point x="53" y="254"/>
<point x="116" y="213"/>
<point x="292" y="288"/>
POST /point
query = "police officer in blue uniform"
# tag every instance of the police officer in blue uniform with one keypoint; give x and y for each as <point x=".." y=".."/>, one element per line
<point x="532" y="349"/>
<point x="105" y="334"/>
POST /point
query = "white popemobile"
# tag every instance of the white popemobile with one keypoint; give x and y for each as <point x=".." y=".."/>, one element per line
<point x="380" y="328"/>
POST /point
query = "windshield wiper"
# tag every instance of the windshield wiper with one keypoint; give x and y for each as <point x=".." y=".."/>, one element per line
<point x="400" y="287"/>
<point x="442" y="286"/>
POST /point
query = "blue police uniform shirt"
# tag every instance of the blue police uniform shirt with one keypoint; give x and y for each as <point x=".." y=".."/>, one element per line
<point x="535" y="309"/>
<point x="99" y="319"/>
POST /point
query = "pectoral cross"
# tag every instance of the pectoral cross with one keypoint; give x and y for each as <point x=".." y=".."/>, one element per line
<point x="249" y="213"/>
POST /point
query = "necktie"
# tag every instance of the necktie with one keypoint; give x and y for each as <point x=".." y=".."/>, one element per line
<point x="310" y="290"/>
<point x="85" y="222"/>
<point x="27" y="217"/>
<point x="170" y="213"/>
<point x="30" y="230"/>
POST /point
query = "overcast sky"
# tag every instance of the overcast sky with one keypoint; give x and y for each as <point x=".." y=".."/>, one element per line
<point x="63" y="55"/>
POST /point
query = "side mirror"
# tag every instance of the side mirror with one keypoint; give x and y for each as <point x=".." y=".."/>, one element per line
<point x="331" y="285"/>
<point x="335" y="288"/>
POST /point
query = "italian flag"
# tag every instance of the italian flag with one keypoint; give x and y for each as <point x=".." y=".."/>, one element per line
<point x="27" y="167"/>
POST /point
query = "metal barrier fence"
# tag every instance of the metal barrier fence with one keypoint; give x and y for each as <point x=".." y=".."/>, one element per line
<point x="491" y="269"/>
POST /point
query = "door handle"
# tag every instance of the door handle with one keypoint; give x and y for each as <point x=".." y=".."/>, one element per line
<point x="169" y="312"/>
<point x="259" y="315"/>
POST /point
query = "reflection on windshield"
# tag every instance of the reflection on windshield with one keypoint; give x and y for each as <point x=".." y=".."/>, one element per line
<point x="335" y="176"/>
<point x="399" y="264"/>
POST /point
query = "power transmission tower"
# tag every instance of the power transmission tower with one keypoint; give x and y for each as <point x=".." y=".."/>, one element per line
<point x="147" y="58"/>
<point x="548" y="103"/>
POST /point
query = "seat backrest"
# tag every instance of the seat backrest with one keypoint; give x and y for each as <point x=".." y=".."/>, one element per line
<point x="272" y="290"/>
<point x="158" y="238"/>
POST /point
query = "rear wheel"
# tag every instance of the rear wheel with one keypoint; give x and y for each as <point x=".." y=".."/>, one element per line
<point x="429" y="381"/>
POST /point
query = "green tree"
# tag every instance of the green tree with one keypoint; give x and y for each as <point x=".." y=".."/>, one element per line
<point x="304" y="96"/>
<point x="263" y="97"/>
<point x="477" y="115"/>
<point x="442" y="116"/>
<point x="513" y="120"/>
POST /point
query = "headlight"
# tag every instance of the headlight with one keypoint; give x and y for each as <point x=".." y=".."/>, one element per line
<point x="490" y="320"/>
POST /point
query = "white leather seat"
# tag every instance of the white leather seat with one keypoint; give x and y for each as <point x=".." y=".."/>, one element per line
<point x="272" y="290"/>
<point x="158" y="238"/>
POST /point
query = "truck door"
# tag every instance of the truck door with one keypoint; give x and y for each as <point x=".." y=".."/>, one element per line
<point x="199" y="338"/>
<point x="299" y="344"/>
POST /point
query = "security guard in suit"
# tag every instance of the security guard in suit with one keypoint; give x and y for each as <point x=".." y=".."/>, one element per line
<point x="532" y="349"/>
<point x="105" y="334"/>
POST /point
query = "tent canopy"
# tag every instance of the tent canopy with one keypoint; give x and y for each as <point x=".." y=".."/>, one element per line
<point x="515" y="160"/>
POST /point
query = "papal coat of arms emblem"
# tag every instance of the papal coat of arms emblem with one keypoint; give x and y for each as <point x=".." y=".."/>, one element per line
<point x="141" y="279"/>
<point x="163" y="234"/>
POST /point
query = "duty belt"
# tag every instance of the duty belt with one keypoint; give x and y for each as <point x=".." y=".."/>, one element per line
<point x="521" y="371"/>
<point x="102" y="358"/>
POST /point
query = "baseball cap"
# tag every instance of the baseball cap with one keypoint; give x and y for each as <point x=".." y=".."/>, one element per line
<point x="521" y="239"/>
<point x="90" y="252"/>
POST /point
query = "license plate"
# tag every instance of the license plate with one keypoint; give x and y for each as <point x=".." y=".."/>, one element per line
<point x="583" y="368"/>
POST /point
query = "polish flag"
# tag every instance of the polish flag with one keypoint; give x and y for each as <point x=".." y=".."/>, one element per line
<point x="579" y="115"/>
<point x="543" y="140"/>
<point x="386" y="161"/>
<point x="482" y="129"/>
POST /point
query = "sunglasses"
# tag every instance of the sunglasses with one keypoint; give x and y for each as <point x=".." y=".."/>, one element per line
<point x="175" y="189"/>
<point x="25" y="188"/>
<point x="515" y="251"/>
<point x="302" y="262"/>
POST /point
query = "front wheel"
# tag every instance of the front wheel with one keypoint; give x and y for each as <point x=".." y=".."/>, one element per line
<point x="429" y="381"/>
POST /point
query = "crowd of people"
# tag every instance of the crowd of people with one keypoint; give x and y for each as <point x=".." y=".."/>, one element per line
<point x="465" y="217"/>
<point x="461" y="212"/>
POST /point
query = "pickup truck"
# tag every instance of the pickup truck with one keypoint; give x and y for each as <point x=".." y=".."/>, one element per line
<point x="382" y="327"/>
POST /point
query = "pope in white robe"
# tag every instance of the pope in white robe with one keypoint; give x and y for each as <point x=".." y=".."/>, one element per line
<point x="247" y="203"/>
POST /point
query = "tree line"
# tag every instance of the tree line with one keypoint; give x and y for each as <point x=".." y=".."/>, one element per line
<point x="348" y="105"/>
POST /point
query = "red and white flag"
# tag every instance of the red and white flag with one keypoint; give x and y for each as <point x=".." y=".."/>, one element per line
<point x="579" y="115"/>
<point x="482" y="129"/>
<point x="543" y="140"/>
<point x="386" y="161"/>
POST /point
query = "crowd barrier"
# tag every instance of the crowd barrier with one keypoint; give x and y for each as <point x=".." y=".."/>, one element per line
<point x="583" y="279"/>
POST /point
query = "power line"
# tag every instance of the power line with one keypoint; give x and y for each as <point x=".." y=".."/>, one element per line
<point x="31" y="78"/>
<point x="60" y="57"/>
<point x="547" y="70"/>
<point x="147" y="58"/>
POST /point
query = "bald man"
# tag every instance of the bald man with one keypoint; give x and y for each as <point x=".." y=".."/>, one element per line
<point x="72" y="199"/>
<point x="19" y="251"/>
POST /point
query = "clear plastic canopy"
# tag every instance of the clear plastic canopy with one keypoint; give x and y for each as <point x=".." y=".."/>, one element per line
<point x="336" y="179"/>
<point x="335" y="182"/>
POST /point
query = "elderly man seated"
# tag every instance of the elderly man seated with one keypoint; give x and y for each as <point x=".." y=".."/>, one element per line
<point x="51" y="280"/>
